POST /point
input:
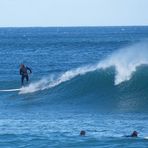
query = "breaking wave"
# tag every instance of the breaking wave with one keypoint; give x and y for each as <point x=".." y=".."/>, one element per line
<point x="125" y="62"/>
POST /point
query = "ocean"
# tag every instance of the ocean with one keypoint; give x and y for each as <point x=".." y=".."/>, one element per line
<point x="83" y="78"/>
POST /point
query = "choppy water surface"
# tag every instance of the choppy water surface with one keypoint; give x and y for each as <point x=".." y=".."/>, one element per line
<point x="93" y="79"/>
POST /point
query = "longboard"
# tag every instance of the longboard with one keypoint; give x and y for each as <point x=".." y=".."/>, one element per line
<point x="10" y="90"/>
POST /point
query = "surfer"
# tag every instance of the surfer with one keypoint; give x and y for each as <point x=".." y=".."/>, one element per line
<point x="24" y="73"/>
<point x="134" y="134"/>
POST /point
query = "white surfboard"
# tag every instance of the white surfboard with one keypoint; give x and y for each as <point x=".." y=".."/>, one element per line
<point x="10" y="90"/>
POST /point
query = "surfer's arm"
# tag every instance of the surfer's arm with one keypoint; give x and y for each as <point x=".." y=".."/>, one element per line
<point x="29" y="69"/>
<point x="21" y="72"/>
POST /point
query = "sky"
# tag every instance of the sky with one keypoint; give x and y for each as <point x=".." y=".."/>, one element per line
<point x="25" y="13"/>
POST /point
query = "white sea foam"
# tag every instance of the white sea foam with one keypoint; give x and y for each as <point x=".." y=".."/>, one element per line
<point x="125" y="61"/>
<point x="45" y="83"/>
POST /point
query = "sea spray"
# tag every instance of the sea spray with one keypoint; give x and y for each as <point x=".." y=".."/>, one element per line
<point x="126" y="61"/>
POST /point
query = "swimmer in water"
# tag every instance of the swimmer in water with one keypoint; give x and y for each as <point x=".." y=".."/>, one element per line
<point x="82" y="133"/>
<point x="134" y="134"/>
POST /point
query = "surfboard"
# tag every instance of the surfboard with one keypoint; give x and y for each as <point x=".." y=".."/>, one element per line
<point x="10" y="90"/>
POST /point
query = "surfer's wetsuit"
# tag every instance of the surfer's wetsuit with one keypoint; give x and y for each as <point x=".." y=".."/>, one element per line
<point x="24" y="73"/>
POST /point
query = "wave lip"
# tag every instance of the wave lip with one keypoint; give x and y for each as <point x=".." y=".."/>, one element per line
<point x="126" y="61"/>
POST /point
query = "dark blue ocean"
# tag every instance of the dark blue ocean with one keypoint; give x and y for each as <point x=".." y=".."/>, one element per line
<point x="84" y="78"/>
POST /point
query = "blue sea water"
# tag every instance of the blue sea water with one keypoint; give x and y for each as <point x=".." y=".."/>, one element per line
<point x="84" y="78"/>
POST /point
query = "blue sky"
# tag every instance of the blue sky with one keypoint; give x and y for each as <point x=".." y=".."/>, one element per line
<point x="14" y="13"/>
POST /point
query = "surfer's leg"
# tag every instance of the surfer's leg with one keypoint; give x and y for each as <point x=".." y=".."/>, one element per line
<point x="22" y="80"/>
<point x="27" y="78"/>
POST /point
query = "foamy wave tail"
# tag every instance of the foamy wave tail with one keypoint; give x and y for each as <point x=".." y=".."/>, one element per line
<point x="50" y="82"/>
<point x="36" y="86"/>
<point x="125" y="62"/>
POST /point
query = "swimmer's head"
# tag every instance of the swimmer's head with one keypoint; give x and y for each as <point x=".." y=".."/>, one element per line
<point x="82" y="133"/>
<point x="134" y="134"/>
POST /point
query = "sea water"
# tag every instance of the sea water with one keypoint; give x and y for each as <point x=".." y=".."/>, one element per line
<point x="84" y="78"/>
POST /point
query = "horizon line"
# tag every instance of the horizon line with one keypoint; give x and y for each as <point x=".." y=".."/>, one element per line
<point x="73" y="26"/>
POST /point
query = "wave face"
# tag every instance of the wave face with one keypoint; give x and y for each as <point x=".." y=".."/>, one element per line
<point x="120" y="80"/>
<point x="124" y="60"/>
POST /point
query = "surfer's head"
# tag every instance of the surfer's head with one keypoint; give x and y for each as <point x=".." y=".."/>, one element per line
<point x="82" y="133"/>
<point x="134" y="134"/>
<point x="22" y="65"/>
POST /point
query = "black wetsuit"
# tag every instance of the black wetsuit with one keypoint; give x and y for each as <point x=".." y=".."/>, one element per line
<point x="24" y="73"/>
